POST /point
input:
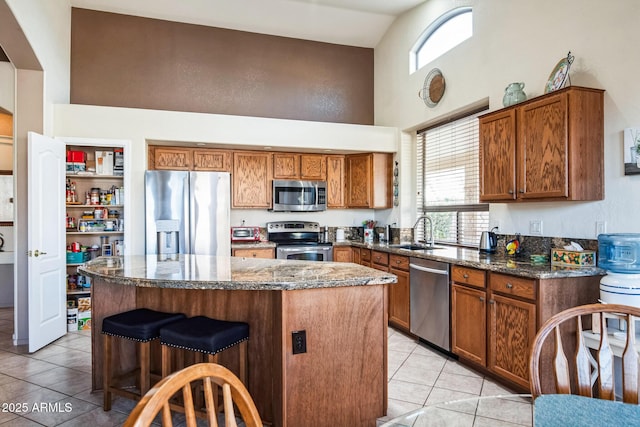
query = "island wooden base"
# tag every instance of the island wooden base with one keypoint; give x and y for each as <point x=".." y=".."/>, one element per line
<point x="341" y="380"/>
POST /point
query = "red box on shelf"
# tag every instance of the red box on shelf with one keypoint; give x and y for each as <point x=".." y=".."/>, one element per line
<point x="75" y="156"/>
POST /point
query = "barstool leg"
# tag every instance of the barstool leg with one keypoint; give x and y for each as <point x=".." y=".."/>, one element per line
<point x="213" y="358"/>
<point x="243" y="362"/>
<point x="166" y="360"/>
<point x="145" y="368"/>
<point x="106" y="373"/>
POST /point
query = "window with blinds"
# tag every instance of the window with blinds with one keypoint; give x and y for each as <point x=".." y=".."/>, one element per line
<point x="449" y="183"/>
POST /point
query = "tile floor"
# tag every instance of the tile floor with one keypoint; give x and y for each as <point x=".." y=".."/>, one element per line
<point x="58" y="377"/>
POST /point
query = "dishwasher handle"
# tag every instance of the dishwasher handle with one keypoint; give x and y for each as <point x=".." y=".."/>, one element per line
<point x="429" y="270"/>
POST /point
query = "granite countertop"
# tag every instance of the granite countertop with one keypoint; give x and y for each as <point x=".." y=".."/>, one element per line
<point x="231" y="273"/>
<point x="252" y="245"/>
<point x="518" y="266"/>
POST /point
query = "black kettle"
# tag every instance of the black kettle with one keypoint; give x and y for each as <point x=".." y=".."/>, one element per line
<point x="1" y="242"/>
<point x="488" y="241"/>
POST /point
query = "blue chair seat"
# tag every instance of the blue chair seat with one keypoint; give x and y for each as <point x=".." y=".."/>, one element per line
<point x="140" y="324"/>
<point x="203" y="334"/>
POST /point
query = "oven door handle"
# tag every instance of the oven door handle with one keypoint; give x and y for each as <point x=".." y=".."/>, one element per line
<point x="305" y="249"/>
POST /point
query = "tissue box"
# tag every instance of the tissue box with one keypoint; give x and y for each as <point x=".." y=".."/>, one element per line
<point x="565" y="257"/>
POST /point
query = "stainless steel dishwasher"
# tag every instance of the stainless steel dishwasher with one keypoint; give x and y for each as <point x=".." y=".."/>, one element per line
<point x="429" y="288"/>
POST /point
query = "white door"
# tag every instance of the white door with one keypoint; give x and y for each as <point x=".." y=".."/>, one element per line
<point x="46" y="247"/>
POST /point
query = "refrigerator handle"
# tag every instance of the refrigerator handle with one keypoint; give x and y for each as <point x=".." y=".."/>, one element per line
<point x="186" y="213"/>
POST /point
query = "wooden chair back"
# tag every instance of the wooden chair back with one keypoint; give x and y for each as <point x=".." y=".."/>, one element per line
<point x="159" y="398"/>
<point x="587" y="368"/>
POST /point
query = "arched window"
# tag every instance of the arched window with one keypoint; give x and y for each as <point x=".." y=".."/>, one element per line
<point x="442" y="35"/>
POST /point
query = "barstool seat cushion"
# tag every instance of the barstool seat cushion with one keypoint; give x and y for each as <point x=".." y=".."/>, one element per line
<point x="140" y="324"/>
<point x="204" y="334"/>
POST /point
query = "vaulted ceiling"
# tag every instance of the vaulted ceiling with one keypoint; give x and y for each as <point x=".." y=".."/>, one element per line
<point x="349" y="22"/>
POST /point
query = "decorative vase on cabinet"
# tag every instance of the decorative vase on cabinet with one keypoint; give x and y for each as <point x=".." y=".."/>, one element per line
<point x="514" y="94"/>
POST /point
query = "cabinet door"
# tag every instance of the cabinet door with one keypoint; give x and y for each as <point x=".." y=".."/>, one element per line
<point x="355" y="253"/>
<point x="399" y="305"/>
<point x="251" y="181"/>
<point x="512" y="328"/>
<point x="358" y="180"/>
<point x="498" y="156"/>
<point x="312" y="167"/>
<point x="212" y="160"/>
<point x="469" y="323"/>
<point x="286" y="166"/>
<point x="335" y="181"/>
<point x="254" y="253"/>
<point x="365" y="257"/>
<point x="342" y="254"/>
<point x="542" y="148"/>
<point x="178" y="159"/>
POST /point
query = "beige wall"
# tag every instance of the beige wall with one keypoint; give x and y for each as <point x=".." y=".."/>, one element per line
<point x="521" y="41"/>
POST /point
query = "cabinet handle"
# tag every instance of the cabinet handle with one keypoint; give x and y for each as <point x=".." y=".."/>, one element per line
<point x="510" y="191"/>
<point x="491" y="301"/>
<point x="509" y="285"/>
<point x="521" y="191"/>
<point x="254" y="254"/>
<point x="482" y="299"/>
<point x="465" y="275"/>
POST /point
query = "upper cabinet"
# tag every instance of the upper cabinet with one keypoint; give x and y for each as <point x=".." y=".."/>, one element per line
<point x="299" y="166"/>
<point x="368" y="180"/>
<point x="185" y="158"/>
<point x="548" y="148"/>
<point x="251" y="177"/>
<point x="335" y="181"/>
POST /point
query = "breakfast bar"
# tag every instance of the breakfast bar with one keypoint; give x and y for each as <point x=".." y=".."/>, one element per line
<point x="341" y="379"/>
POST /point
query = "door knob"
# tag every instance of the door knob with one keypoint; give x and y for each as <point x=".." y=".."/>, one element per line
<point x="35" y="253"/>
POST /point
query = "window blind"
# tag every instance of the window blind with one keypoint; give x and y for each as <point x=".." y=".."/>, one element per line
<point x="449" y="182"/>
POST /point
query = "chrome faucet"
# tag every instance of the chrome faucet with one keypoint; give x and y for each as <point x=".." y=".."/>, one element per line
<point x="421" y="218"/>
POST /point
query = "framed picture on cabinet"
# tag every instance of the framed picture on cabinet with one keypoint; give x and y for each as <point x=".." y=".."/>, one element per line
<point x="632" y="151"/>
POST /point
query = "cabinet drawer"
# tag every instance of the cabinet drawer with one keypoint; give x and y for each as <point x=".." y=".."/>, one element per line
<point x="365" y="255"/>
<point x="511" y="285"/>
<point x="399" y="262"/>
<point x="468" y="276"/>
<point x="254" y="253"/>
<point x="381" y="258"/>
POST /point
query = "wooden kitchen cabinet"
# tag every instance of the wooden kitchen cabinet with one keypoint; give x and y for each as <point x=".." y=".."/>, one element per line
<point x="211" y="160"/>
<point x="512" y="328"/>
<point x="342" y="254"/>
<point x="298" y="166"/>
<point x="494" y="327"/>
<point x="469" y="314"/>
<point x="335" y="181"/>
<point x="286" y="166"/>
<point x="191" y="159"/>
<point x="312" y="167"/>
<point x="355" y="253"/>
<point x="365" y="257"/>
<point x="399" y="293"/>
<point x="380" y="260"/>
<point x="254" y="252"/>
<point x="548" y="148"/>
<point x="251" y="180"/>
<point x="368" y="180"/>
<point x="170" y="158"/>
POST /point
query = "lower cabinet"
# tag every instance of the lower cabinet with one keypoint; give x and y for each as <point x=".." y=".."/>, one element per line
<point x="493" y="321"/>
<point x="512" y="329"/>
<point x="342" y="254"/>
<point x="365" y="257"/>
<point x="469" y="323"/>
<point x="399" y="303"/>
<point x="254" y="252"/>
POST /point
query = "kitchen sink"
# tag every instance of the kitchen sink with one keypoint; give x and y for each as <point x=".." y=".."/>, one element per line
<point x="415" y="247"/>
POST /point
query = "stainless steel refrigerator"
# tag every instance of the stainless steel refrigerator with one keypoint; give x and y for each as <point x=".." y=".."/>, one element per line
<point x="187" y="212"/>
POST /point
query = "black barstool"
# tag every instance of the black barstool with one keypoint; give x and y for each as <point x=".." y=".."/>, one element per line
<point x="141" y="325"/>
<point x="204" y="335"/>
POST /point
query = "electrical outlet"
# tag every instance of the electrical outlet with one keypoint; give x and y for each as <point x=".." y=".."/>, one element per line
<point x="601" y="227"/>
<point x="299" y="341"/>
<point x="535" y="227"/>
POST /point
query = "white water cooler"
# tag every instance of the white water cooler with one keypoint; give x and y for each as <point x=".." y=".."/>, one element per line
<point x="619" y="254"/>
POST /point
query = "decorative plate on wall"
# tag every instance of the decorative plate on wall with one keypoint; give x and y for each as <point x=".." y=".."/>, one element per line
<point x="433" y="88"/>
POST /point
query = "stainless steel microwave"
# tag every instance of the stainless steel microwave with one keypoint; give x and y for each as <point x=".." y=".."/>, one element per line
<point x="299" y="196"/>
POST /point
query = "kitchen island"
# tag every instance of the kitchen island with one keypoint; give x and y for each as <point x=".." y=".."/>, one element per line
<point x="341" y="379"/>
